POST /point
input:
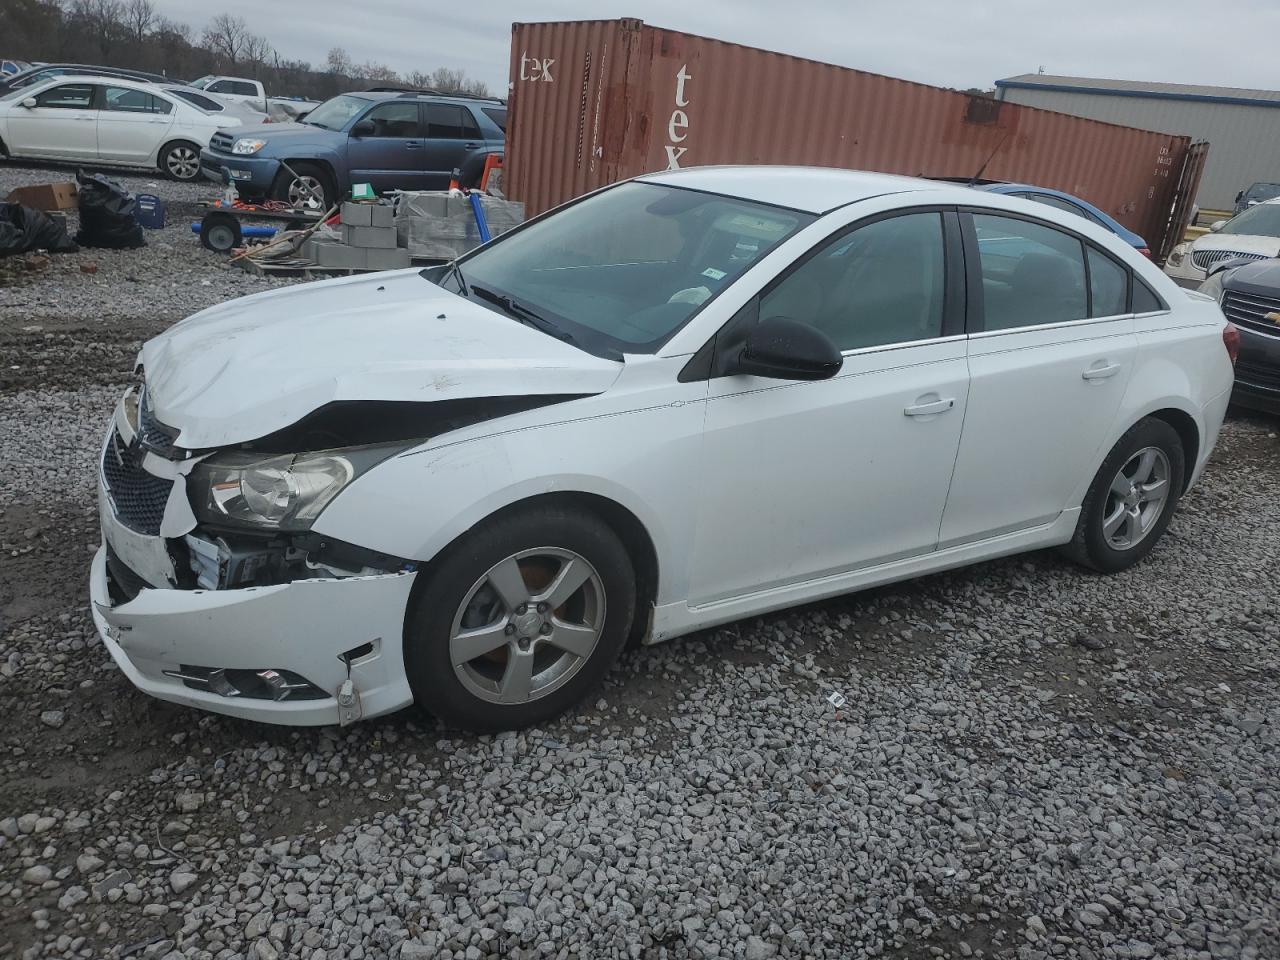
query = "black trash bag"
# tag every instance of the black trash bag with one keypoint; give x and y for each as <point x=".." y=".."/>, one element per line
<point x="23" y="229"/>
<point x="106" y="214"/>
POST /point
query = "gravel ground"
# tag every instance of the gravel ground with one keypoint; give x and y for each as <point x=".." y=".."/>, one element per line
<point x="59" y="322"/>
<point x="1033" y="761"/>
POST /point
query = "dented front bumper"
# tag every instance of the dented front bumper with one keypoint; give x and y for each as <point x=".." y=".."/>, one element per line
<point x="306" y="627"/>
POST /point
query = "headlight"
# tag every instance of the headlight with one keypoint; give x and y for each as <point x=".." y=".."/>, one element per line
<point x="246" y="146"/>
<point x="279" y="492"/>
<point x="1213" y="286"/>
<point x="1176" y="255"/>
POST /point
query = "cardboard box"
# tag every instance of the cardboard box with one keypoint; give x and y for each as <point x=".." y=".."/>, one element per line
<point x="374" y="238"/>
<point x="46" y="196"/>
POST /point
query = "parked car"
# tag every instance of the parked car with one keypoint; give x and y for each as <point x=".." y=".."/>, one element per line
<point x="48" y="71"/>
<point x="392" y="141"/>
<point x="1249" y="294"/>
<point x="1255" y="194"/>
<point x="1071" y="204"/>
<point x="101" y="120"/>
<point x="1252" y="235"/>
<point x="247" y="114"/>
<point x="679" y="401"/>
<point x="251" y="94"/>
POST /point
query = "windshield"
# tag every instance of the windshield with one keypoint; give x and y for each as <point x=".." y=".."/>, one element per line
<point x="1260" y="221"/>
<point x="202" y="82"/>
<point x="626" y="268"/>
<point x="336" y="113"/>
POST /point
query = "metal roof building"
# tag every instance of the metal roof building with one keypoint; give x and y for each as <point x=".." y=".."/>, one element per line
<point x="1242" y="126"/>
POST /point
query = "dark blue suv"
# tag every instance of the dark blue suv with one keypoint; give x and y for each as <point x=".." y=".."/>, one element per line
<point x="394" y="141"/>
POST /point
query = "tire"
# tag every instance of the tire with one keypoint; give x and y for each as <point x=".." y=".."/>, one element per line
<point x="519" y="556"/>
<point x="180" y="161"/>
<point x="220" y="232"/>
<point x="286" y="190"/>
<point x="1120" y="519"/>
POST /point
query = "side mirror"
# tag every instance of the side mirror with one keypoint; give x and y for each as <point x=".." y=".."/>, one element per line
<point x="1217" y="225"/>
<point x="364" y="128"/>
<point x="29" y="103"/>
<point x="784" y="349"/>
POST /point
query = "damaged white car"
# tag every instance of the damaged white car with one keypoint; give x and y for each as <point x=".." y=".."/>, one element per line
<point x="676" y="402"/>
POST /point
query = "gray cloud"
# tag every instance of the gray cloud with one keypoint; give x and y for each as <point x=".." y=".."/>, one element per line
<point x="956" y="43"/>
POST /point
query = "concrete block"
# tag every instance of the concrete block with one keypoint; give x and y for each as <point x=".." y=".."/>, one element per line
<point x="357" y="214"/>
<point x="330" y="253"/>
<point x="396" y="259"/>
<point x="377" y="238"/>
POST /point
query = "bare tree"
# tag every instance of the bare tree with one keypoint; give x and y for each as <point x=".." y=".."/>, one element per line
<point x="371" y="70"/>
<point x="226" y="36"/>
<point x="339" y="62"/>
<point x="448" y="80"/>
<point x="257" y="49"/>
<point x="140" y="19"/>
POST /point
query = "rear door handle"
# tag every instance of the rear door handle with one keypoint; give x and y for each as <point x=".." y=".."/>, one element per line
<point x="413" y="146"/>
<point x="930" y="407"/>
<point x="471" y="146"/>
<point x="1101" y="371"/>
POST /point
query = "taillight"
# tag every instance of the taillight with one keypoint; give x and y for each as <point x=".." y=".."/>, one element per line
<point x="1145" y="251"/>
<point x="1231" y="340"/>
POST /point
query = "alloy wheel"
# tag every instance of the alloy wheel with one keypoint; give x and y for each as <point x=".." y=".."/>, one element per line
<point x="183" y="163"/>
<point x="1136" y="498"/>
<point x="527" y="626"/>
<point x="300" y="196"/>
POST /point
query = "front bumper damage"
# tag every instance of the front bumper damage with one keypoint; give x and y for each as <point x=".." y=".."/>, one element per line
<point x="321" y="648"/>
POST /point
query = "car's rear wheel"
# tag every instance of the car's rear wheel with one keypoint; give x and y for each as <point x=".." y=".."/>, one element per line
<point x="181" y="161"/>
<point x="520" y="619"/>
<point x="301" y="191"/>
<point x="1132" y="498"/>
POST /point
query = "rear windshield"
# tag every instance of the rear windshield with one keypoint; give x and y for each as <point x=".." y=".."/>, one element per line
<point x="199" y="99"/>
<point x="1260" y="221"/>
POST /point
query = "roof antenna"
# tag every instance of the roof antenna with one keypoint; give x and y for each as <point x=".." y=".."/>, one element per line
<point x="982" y="169"/>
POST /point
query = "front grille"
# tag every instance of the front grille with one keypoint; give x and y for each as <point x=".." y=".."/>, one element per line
<point x="275" y="685"/>
<point x="220" y="141"/>
<point x="1204" y="259"/>
<point x="154" y="434"/>
<point x="1258" y="374"/>
<point x="1250" y="310"/>
<point x="138" y="496"/>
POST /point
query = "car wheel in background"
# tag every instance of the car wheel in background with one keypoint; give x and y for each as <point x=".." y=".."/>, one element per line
<point x="1132" y="498"/>
<point x="294" y="190"/>
<point x="180" y="161"/>
<point x="520" y="619"/>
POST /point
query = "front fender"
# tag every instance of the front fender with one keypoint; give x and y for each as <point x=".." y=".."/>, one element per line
<point x="646" y="460"/>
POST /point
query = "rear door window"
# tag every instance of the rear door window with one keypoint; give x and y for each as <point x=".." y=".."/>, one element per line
<point x="445" y="122"/>
<point x="128" y="100"/>
<point x="1032" y="274"/>
<point x="1108" y="286"/>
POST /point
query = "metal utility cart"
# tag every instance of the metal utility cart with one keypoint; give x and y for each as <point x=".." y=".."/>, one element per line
<point x="222" y="225"/>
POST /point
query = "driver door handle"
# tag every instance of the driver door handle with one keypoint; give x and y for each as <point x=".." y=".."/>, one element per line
<point x="1101" y="371"/>
<point x="930" y="407"/>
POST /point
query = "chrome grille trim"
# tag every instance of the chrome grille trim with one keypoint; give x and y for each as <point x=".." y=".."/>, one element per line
<point x="1204" y="259"/>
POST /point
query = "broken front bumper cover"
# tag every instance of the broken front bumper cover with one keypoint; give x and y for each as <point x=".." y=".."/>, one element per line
<point x="305" y="628"/>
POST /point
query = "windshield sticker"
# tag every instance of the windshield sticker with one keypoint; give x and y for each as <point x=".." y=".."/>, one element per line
<point x="713" y="273"/>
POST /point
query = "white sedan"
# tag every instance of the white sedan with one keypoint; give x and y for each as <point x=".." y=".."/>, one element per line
<point x="104" y="120"/>
<point x="679" y="401"/>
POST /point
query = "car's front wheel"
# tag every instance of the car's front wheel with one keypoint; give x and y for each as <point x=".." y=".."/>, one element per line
<point x="1132" y="498"/>
<point x="312" y="188"/>
<point x="520" y="619"/>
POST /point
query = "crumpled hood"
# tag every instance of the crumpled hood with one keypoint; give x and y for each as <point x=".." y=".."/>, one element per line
<point x="244" y="369"/>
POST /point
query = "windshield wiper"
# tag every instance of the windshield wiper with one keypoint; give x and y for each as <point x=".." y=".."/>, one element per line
<point x="522" y="313"/>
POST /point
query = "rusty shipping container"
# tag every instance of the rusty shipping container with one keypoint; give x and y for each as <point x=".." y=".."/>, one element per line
<point x="593" y="102"/>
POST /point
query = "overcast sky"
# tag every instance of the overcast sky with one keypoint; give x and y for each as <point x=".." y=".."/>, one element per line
<point x="954" y="43"/>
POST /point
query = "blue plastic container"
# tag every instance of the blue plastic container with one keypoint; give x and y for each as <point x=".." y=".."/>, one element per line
<point x="148" y="210"/>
